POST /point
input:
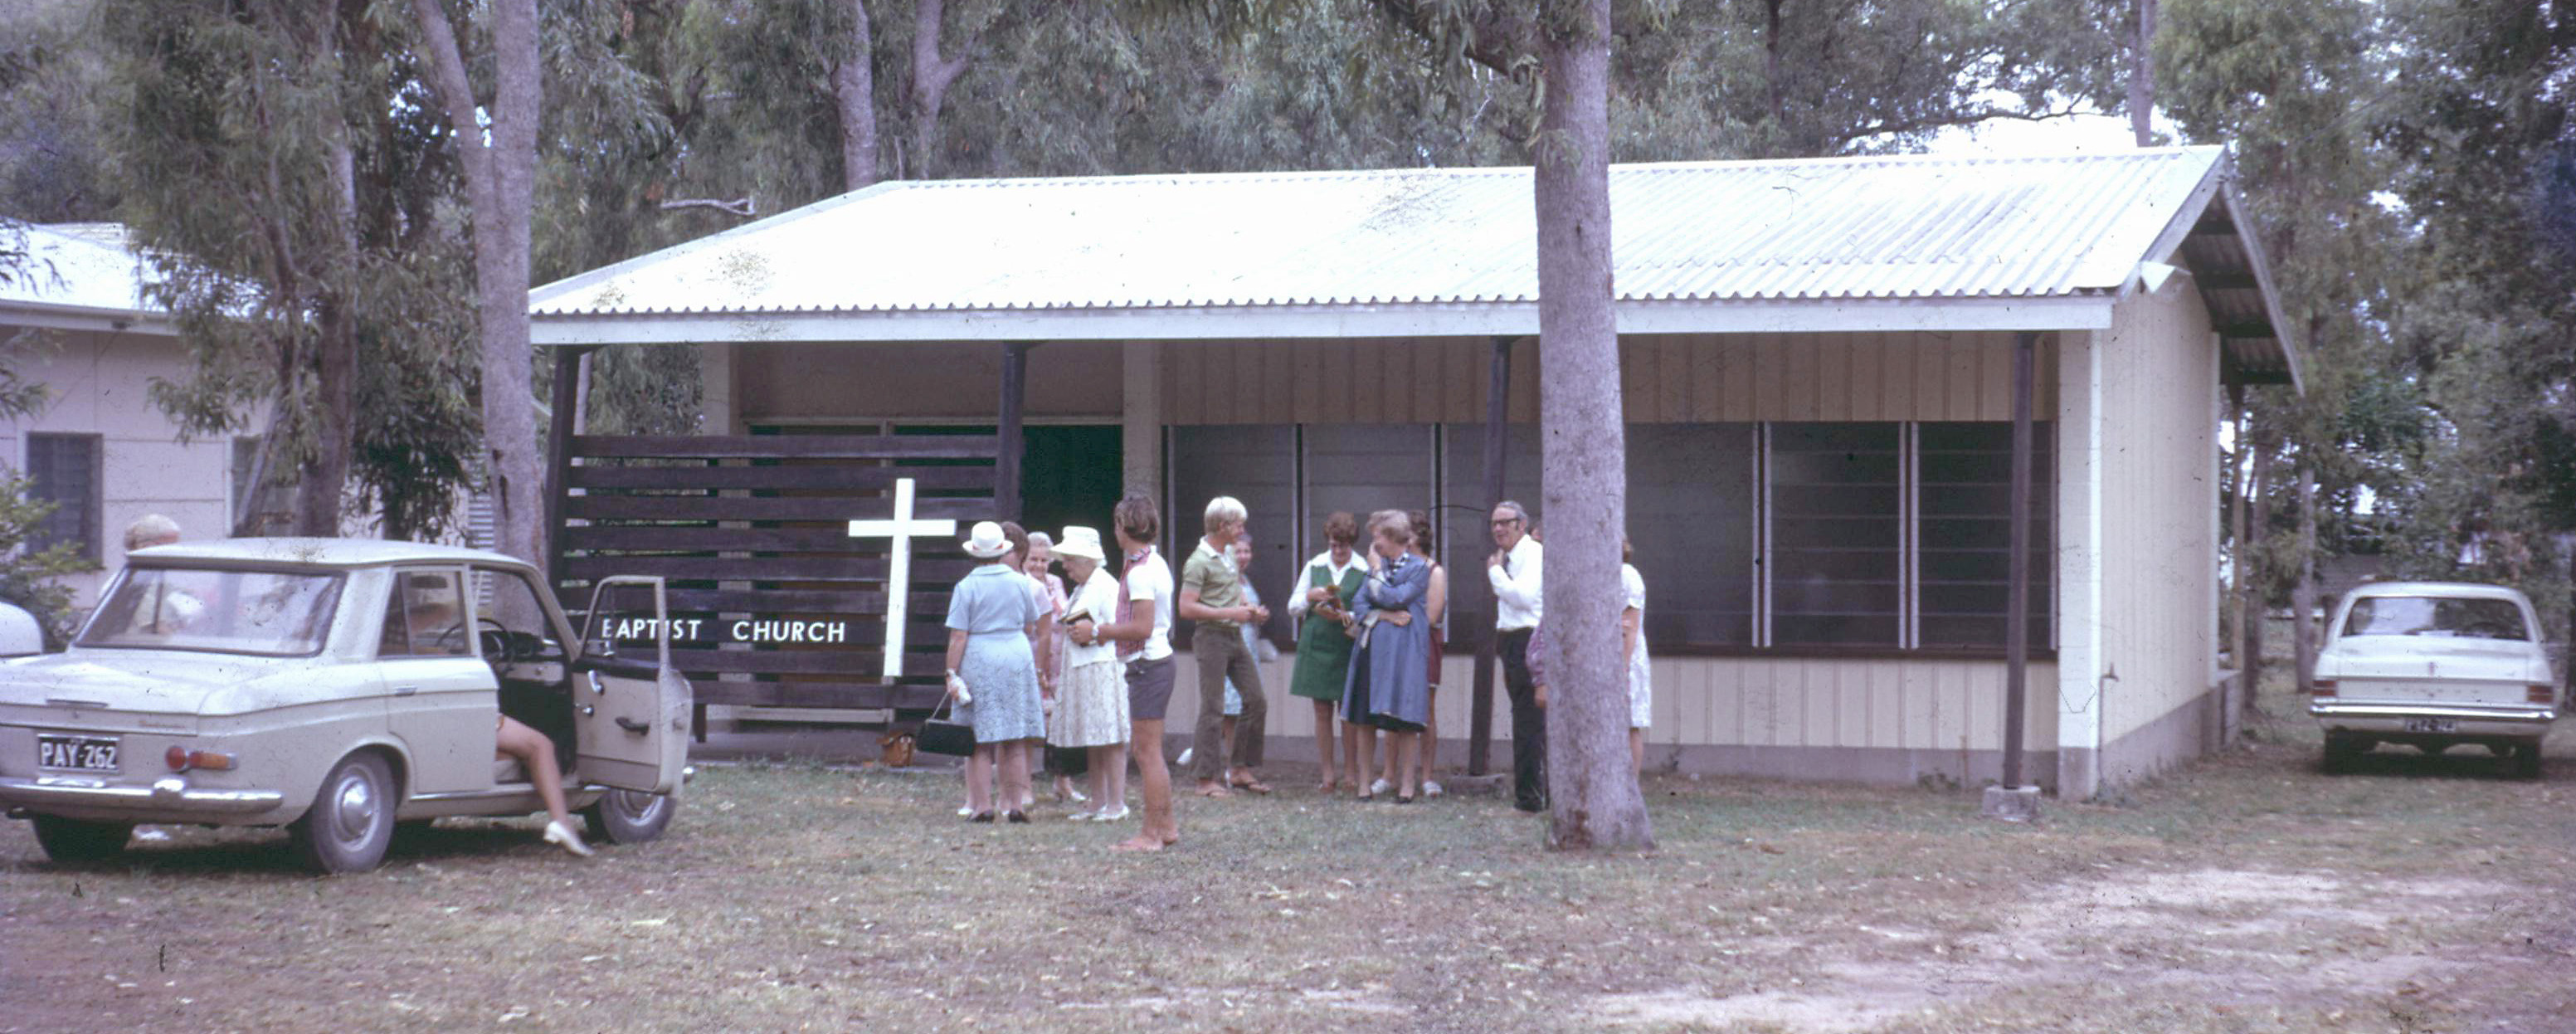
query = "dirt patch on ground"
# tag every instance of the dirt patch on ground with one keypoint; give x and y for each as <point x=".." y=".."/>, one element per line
<point x="2223" y="935"/>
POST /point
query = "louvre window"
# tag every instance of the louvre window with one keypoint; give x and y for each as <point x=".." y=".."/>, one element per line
<point x="1837" y="534"/>
<point x="63" y="469"/>
<point x="1964" y="496"/>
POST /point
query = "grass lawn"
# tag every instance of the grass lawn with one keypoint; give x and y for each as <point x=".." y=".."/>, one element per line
<point x="2245" y="893"/>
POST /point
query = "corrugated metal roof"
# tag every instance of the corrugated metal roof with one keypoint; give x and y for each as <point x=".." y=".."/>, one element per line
<point x="1902" y="227"/>
<point x="80" y="268"/>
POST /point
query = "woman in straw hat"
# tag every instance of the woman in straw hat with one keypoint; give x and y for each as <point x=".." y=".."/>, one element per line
<point x="1091" y="699"/>
<point x="990" y="665"/>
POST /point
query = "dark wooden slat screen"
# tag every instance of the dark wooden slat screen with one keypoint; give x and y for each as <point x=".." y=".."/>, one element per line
<point x="800" y="478"/>
<point x="759" y="508"/>
<point x="770" y="446"/>
<point x="754" y="528"/>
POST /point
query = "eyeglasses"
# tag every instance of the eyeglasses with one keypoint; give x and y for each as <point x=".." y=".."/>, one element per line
<point x="1506" y="522"/>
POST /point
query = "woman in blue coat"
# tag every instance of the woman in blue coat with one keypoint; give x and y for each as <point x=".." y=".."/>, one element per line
<point x="1389" y="685"/>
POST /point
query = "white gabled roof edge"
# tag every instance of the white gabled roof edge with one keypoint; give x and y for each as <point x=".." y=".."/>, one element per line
<point x="1328" y="321"/>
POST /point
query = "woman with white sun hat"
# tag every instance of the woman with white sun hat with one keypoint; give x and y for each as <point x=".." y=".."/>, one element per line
<point x="990" y="614"/>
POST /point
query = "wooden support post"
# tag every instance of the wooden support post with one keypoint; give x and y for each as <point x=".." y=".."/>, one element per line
<point x="1006" y="460"/>
<point x="1480" y="708"/>
<point x="2017" y="595"/>
<point x="568" y="394"/>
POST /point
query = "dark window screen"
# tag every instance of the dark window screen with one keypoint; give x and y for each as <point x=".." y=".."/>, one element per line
<point x="63" y="469"/>
<point x="1966" y="519"/>
<point x="1691" y="498"/>
<point x="1466" y="538"/>
<point x="1835" y="534"/>
<point x="1255" y="463"/>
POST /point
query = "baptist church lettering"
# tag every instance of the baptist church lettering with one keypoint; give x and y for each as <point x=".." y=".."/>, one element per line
<point x="748" y="630"/>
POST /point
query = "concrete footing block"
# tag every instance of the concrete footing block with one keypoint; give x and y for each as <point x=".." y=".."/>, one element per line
<point x="2011" y="803"/>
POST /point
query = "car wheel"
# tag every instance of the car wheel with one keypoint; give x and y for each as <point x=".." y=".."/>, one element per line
<point x="629" y="817"/>
<point x="72" y="841"/>
<point x="351" y="821"/>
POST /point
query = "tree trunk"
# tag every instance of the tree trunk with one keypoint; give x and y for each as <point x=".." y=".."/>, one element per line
<point x="2142" y="76"/>
<point x="932" y="73"/>
<point x="501" y="182"/>
<point x="324" y="478"/>
<point x="854" y="90"/>
<point x="2257" y="607"/>
<point x="1593" y="791"/>
<point x="2238" y="483"/>
<point x="2303" y="593"/>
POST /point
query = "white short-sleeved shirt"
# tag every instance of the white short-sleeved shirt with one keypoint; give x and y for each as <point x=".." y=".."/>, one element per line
<point x="1151" y="579"/>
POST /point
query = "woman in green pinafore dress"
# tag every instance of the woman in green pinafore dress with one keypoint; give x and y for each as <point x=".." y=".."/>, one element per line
<point x="1321" y="601"/>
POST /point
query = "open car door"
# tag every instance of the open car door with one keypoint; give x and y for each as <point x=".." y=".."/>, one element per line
<point x="630" y="717"/>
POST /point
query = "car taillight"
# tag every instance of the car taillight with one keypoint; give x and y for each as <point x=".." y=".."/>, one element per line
<point x="2322" y="687"/>
<point x="2542" y="693"/>
<point x="181" y="759"/>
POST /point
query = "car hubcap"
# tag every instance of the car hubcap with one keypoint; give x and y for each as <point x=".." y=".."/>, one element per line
<point x="637" y="807"/>
<point x="356" y="815"/>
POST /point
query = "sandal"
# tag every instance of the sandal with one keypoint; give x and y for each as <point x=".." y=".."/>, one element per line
<point x="982" y="816"/>
<point x="1254" y="785"/>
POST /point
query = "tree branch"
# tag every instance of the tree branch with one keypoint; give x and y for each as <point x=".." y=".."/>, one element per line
<point x="456" y="93"/>
<point x="742" y="206"/>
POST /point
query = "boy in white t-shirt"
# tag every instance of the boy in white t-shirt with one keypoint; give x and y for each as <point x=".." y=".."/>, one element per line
<point x="1144" y="637"/>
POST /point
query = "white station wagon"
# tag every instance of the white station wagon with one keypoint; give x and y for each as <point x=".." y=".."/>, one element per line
<point x="334" y="687"/>
<point x="2434" y="664"/>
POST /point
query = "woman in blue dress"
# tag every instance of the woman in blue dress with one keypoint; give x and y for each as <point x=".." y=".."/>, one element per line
<point x="1389" y="684"/>
<point x="991" y="616"/>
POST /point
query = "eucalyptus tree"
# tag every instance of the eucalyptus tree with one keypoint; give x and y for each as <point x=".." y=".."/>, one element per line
<point x="494" y="141"/>
<point x="266" y="159"/>
<point x="2475" y="108"/>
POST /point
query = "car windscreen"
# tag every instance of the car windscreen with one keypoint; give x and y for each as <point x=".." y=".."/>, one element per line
<point x="2436" y="616"/>
<point x="271" y="613"/>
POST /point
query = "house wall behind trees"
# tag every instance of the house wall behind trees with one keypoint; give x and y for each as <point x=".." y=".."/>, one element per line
<point x="101" y="385"/>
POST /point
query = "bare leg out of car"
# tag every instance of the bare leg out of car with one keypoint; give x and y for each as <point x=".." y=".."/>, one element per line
<point x="537" y="754"/>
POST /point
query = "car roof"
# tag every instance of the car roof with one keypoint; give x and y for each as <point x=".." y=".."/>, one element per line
<point x="318" y="552"/>
<point x="2451" y="590"/>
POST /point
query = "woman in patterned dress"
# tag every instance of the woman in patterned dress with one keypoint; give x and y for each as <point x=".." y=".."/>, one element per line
<point x="991" y="616"/>
<point x="1091" y="700"/>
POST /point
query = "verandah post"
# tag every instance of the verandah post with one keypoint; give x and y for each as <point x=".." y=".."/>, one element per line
<point x="1480" y="710"/>
<point x="1006" y="455"/>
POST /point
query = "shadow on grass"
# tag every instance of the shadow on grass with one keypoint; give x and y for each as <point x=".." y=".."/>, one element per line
<point x="271" y="852"/>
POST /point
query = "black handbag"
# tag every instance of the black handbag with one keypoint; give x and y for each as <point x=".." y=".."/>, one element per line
<point x="945" y="736"/>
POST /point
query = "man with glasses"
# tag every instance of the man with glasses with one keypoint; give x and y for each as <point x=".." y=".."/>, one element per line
<point x="1514" y="571"/>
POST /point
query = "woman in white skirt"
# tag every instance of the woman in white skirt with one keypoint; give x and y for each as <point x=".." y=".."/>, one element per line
<point x="1091" y="700"/>
<point x="1641" y="673"/>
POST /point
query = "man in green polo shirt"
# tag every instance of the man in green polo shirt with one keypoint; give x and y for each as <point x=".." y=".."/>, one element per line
<point x="1212" y="595"/>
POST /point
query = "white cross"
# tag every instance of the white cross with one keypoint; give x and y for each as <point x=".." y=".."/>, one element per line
<point x="899" y="568"/>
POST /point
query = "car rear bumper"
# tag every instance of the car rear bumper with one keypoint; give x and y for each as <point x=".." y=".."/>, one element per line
<point x="2465" y="720"/>
<point x="166" y="796"/>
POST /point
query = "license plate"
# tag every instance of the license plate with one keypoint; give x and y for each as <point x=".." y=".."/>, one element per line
<point x="2432" y="725"/>
<point x="76" y="753"/>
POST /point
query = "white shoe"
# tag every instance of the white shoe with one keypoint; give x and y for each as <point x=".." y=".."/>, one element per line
<point x="1078" y="796"/>
<point x="562" y="836"/>
<point x="1109" y="816"/>
<point x="1431" y="789"/>
<point x="1379" y="787"/>
<point x="965" y="811"/>
<point x="1183" y="761"/>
